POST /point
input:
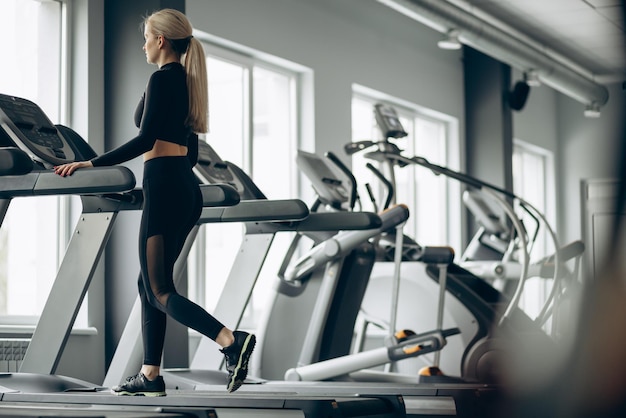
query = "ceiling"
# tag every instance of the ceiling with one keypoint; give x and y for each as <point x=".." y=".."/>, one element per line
<point x="590" y="34"/>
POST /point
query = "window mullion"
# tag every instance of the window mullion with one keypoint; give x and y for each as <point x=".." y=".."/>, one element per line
<point x="65" y="62"/>
<point x="248" y="120"/>
<point x="293" y="133"/>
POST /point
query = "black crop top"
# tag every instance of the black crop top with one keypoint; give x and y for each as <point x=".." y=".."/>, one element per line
<point x="160" y="114"/>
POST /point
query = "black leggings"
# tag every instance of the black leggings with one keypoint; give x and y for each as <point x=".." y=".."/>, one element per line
<point x="171" y="207"/>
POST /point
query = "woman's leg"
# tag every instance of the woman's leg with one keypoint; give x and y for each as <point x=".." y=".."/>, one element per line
<point x="168" y="217"/>
<point x="163" y="295"/>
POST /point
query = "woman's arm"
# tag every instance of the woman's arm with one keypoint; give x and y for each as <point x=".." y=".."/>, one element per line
<point x="154" y="116"/>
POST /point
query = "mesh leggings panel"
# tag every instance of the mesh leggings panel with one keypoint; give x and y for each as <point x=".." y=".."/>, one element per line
<point x="172" y="206"/>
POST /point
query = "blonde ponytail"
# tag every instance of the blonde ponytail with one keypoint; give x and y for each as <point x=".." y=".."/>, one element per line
<point x="174" y="26"/>
<point x="197" y="85"/>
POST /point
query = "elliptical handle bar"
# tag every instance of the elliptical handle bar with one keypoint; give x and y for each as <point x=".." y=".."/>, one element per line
<point x="387" y="183"/>
<point x="464" y="178"/>
<point x="345" y="170"/>
<point x="354" y="147"/>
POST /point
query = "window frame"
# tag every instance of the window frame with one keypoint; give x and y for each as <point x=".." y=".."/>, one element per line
<point x="26" y="323"/>
<point x="537" y="290"/>
<point x="549" y="181"/>
<point x="454" y="218"/>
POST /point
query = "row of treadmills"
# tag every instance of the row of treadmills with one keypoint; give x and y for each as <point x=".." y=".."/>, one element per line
<point x="31" y="145"/>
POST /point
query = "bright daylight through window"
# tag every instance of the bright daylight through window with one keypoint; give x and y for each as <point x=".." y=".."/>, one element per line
<point x="252" y="107"/>
<point x="29" y="237"/>
<point x="533" y="179"/>
<point x="426" y="195"/>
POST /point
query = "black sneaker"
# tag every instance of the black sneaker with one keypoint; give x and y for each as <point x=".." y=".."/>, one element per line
<point x="139" y="385"/>
<point x="237" y="357"/>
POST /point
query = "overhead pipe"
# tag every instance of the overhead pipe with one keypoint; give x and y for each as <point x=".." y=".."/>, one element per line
<point x="496" y="42"/>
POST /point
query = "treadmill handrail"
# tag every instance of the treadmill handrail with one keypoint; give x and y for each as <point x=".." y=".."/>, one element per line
<point x="257" y="211"/>
<point x="328" y="223"/>
<point x="213" y="195"/>
<point x="97" y="180"/>
<point x="339" y="221"/>
<point x="219" y="195"/>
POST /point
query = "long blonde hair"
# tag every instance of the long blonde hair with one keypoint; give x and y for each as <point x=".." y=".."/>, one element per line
<point x="176" y="28"/>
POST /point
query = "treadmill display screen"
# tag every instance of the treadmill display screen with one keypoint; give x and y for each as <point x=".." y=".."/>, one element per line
<point x="388" y="121"/>
<point x="28" y="126"/>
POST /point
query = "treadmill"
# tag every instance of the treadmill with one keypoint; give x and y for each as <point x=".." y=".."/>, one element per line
<point x="29" y="146"/>
<point x="35" y="388"/>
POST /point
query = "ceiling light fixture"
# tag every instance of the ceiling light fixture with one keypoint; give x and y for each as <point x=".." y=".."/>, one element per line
<point x="451" y="41"/>
<point x="592" y="110"/>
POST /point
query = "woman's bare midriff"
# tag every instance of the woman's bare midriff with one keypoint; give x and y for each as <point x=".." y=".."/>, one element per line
<point x="165" y="149"/>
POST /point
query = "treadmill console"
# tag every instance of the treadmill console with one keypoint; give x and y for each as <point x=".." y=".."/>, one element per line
<point x="211" y="169"/>
<point x="388" y="121"/>
<point x="30" y="129"/>
<point x="330" y="188"/>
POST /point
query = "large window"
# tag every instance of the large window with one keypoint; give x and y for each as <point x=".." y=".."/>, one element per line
<point x="533" y="180"/>
<point x="31" y="235"/>
<point x="252" y="108"/>
<point x="432" y="200"/>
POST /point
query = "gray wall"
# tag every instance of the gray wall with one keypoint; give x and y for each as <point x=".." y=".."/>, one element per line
<point x="342" y="42"/>
<point x="589" y="149"/>
<point x="537" y="122"/>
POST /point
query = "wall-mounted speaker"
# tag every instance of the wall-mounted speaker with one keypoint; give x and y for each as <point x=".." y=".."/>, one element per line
<point x="518" y="96"/>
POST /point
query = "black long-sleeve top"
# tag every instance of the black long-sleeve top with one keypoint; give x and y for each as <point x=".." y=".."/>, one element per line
<point x="160" y="114"/>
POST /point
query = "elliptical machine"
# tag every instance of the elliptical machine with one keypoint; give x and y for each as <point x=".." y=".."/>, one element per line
<point x="496" y="317"/>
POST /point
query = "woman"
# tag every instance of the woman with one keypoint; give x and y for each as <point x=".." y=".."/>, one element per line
<point x="174" y="106"/>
